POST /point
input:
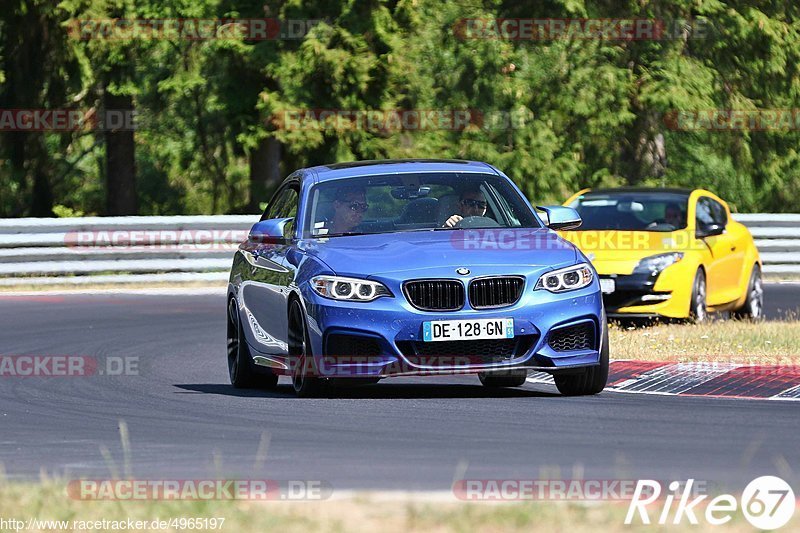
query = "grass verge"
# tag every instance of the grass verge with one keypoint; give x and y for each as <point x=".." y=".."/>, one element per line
<point x="49" y="501"/>
<point x="735" y="341"/>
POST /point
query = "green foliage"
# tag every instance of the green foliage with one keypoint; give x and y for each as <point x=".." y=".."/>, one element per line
<point x="555" y="115"/>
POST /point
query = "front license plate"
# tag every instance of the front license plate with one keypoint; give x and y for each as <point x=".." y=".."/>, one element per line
<point x="607" y="286"/>
<point x="459" y="330"/>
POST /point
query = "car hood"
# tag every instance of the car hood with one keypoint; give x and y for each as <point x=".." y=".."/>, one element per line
<point x="618" y="251"/>
<point x="431" y="251"/>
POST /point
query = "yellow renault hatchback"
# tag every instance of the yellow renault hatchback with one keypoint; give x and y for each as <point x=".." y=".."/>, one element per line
<point x="673" y="253"/>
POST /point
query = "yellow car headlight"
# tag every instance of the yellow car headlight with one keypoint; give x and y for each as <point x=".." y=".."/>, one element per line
<point x="656" y="263"/>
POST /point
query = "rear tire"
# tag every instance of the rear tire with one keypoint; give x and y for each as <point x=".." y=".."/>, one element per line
<point x="514" y="378"/>
<point x="753" y="308"/>
<point x="698" y="312"/>
<point x="241" y="369"/>
<point x="592" y="380"/>
<point x="304" y="381"/>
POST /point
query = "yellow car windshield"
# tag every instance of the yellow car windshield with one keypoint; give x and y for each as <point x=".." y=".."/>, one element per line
<point x="632" y="211"/>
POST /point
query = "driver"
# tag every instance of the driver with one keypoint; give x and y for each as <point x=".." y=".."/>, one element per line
<point x="673" y="215"/>
<point x="348" y="209"/>
<point x="473" y="204"/>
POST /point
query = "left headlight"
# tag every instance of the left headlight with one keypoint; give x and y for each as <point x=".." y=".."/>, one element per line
<point x="656" y="263"/>
<point x="566" y="279"/>
<point x="349" y="289"/>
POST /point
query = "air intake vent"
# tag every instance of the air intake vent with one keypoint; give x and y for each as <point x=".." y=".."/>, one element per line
<point x="435" y="294"/>
<point x="502" y="291"/>
<point x="352" y="345"/>
<point x="577" y="337"/>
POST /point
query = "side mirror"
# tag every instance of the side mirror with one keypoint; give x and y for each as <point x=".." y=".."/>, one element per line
<point x="559" y="217"/>
<point x="709" y="230"/>
<point x="271" y="231"/>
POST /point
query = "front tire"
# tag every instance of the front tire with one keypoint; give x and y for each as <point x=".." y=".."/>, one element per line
<point x="304" y="382"/>
<point x="514" y="378"/>
<point x="592" y="380"/>
<point x="241" y="369"/>
<point x="753" y="308"/>
<point x="698" y="312"/>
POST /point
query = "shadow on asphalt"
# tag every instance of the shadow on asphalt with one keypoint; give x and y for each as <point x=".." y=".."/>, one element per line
<point x="379" y="391"/>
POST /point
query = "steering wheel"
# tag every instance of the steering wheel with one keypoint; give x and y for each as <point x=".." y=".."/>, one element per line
<point x="660" y="225"/>
<point x="476" y="222"/>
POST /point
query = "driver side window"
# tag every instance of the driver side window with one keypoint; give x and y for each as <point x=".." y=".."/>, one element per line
<point x="704" y="214"/>
<point x="284" y="206"/>
<point x="719" y="213"/>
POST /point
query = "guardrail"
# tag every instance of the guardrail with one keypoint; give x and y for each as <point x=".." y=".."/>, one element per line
<point x="777" y="238"/>
<point x="124" y="250"/>
<point x="119" y="250"/>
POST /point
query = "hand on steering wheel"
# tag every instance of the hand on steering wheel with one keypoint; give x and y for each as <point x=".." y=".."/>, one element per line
<point x="452" y="221"/>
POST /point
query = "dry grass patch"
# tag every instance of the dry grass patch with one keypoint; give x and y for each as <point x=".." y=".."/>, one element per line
<point x="366" y="513"/>
<point x="735" y="341"/>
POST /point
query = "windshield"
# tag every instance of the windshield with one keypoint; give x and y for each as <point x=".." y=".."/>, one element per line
<point x="413" y="202"/>
<point x="642" y="211"/>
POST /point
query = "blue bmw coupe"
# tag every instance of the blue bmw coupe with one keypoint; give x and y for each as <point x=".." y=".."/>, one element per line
<point x="368" y="270"/>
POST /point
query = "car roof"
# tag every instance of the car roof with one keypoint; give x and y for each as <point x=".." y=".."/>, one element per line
<point x="398" y="166"/>
<point x="624" y="190"/>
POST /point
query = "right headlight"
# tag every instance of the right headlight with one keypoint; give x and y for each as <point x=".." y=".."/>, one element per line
<point x="566" y="279"/>
<point x="656" y="263"/>
<point x="350" y="289"/>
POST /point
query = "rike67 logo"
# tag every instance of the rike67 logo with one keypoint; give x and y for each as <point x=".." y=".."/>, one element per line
<point x="767" y="502"/>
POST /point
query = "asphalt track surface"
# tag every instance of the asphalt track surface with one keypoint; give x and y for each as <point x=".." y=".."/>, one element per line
<point x="186" y="422"/>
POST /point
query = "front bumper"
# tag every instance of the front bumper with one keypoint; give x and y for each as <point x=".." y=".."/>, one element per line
<point x="666" y="294"/>
<point x="384" y="338"/>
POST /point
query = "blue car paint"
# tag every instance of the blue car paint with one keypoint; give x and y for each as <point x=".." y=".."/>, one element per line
<point x="265" y="276"/>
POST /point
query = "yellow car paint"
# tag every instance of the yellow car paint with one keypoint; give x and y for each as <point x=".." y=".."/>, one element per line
<point x="727" y="260"/>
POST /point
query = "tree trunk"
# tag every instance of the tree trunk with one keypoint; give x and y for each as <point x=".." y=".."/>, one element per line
<point x="265" y="171"/>
<point x="121" y="197"/>
<point x="42" y="197"/>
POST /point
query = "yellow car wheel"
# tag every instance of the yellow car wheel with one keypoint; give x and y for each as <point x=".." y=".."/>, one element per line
<point x="698" y="312"/>
<point x="753" y="308"/>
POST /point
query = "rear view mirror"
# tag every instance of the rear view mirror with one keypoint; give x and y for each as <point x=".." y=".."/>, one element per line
<point x="411" y="192"/>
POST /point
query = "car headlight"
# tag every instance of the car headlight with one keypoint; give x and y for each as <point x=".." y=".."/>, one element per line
<point x="350" y="289"/>
<point x="656" y="263"/>
<point x="566" y="279"/>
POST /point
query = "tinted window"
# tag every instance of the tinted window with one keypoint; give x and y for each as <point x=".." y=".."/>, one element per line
<point x="710" y="211"/>
<point x="284" y="205"/>
<point x="632" y="211"/>
<point x="719" y="213"/>
<point x="413" y="202"/>
<point x="704" y="214"/>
